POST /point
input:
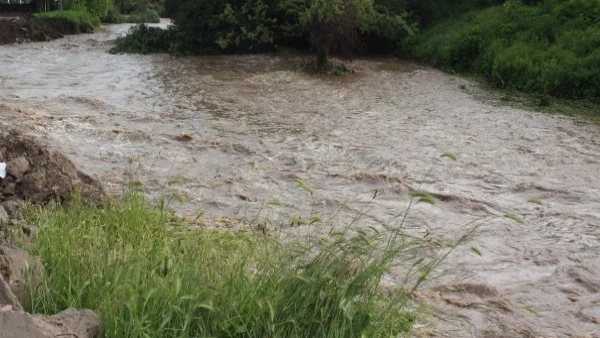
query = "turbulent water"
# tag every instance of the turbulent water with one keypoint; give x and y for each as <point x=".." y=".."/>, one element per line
<point x="230" y="136"/>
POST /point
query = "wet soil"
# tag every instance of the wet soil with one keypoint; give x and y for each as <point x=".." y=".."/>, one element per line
<point x="26" y="28"/>
<point x="229" y="137"/>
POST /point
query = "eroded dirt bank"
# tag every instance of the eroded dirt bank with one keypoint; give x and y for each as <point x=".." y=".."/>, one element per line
<point x="26" y="28"/>
<point x="230" y="136"/>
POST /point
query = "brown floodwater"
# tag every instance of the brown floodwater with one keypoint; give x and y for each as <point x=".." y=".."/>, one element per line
<point x="229" y="136"/>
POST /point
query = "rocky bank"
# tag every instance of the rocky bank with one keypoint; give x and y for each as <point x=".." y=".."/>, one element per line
<point x="37" y="174"/>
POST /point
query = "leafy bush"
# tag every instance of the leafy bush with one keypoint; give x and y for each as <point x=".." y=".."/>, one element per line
<point x="144" y="39"/>
<point x="147" y="16"/>
<point x="148" y="276"/>
<point x="97" y="8"/>
<point x="551" y="47"/>
<point x="342" y="28"/>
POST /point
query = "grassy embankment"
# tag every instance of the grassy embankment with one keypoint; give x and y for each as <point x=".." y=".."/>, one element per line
<point x="73" y="21"/>
<point x="148" y="275"/>
<point x="551" y="49"/>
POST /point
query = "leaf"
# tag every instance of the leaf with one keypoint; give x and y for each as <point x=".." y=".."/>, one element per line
<point x="303" y="185"/>
<point x="375" y="192"/>
<point x="476" y="251"/>
<point x="515" y="218"/>
<point x="206" y="305"/>
<point x="450" y="155"/>
<point x="423" y="197"/>
<point x="532" y="310"/>
<point x="536" y="201"/>
<point x="275" y="202"/>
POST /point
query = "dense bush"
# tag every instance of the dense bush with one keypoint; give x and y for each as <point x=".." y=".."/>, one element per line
<point x="338" y="27"/>
<point x="552" y="47"/>
<point x="97" y="8"/>
<point x="144" y="39"/>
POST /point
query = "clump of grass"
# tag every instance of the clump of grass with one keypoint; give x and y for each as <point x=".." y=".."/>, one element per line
<point x="148" y="276"/>
<point x="73" y="21"/>
<point x="515" y="218"/>
<point x="450" y="155"/>
<point x="536" y="200"/>
<point x="423" y="197"/>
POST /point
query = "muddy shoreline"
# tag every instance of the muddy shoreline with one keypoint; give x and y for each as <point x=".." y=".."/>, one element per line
<point x="24" y="28"/>
<point x="230" y="137"/>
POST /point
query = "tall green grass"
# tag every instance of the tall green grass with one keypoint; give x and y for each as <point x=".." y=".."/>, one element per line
<point x="552" y="47"/>
<point x="148" y="275"/>
<point x="72" y="21"/>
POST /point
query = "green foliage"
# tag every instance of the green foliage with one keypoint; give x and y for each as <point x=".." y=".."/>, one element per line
<point x="211" y="26"/>
<point x="149" y="276"/>
<point x="552" y="47"/>
<point x="134" y="11"/>
<point x="97" y="8"/>
<point x="330" y="27"/>
<point x="76" y="21"/>
<point x="143" y="39"/>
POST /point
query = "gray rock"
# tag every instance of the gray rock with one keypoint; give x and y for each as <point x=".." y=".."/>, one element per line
<point x="7" y="297"/>
<point x="18" y="267"/>
<point x="4" y="218"/>
<point x="18" y="167"/>
<point x="14" y="208"/>
<point x="29" y="230"/>
<point x="69" y="323"/>
<point x="75" y="323"/>
<point x="19" y="325"/>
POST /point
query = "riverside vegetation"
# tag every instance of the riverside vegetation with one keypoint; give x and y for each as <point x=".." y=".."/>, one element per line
<point x="148" y="275"/>
<point x="547" y="47"/>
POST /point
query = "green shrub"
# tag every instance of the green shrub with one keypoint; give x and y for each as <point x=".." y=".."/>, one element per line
<point x="550" y="47"/>
<point x="147" y="16"/>
<point x="149" y="276"/>
<point x="97" y="8"/>
<point x="341" y="28"/>
<point x="144" y="39"/>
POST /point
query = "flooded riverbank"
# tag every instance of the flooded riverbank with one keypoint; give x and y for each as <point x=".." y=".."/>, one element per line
<point x="230" y="136"/>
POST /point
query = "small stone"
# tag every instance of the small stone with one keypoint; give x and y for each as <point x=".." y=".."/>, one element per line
<point x="7" y="297"/>
<point x="18" y="167"/>
<point x="14" y="208"/>
<point x="33" y="184"/>
<point x="29" y="230"/>
<point x="9" y="189"/>
<point x="3" y="216"/>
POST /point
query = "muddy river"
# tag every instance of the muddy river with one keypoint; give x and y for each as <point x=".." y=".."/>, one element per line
<point x="228" y="138"/>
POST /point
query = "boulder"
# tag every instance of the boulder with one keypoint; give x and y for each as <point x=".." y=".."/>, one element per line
<point x="7" y="297"/>
<point x="69" y="323"/>
<point x="17" y="267"/>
